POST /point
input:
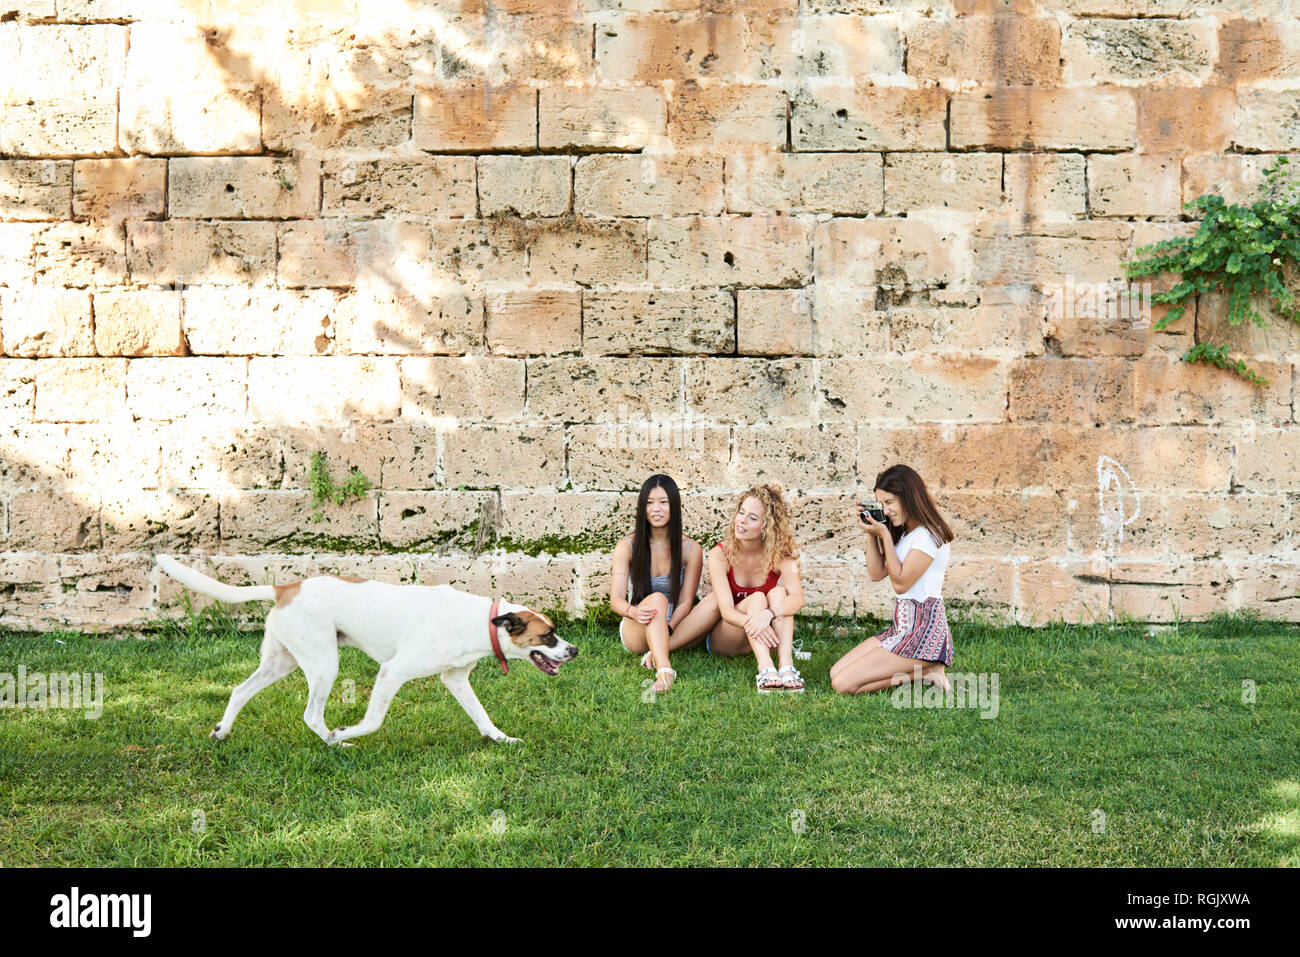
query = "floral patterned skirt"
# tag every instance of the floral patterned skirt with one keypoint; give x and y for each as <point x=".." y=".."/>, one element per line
<point x="919" y="630"/>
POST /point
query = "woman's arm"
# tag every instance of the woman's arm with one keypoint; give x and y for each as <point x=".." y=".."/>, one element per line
<point x="793" y="585"/>
<point x="718" y="578"/>
<point x="903" y="575"/>
<point x="690" y="584"/>
<point x="618" y="579"/>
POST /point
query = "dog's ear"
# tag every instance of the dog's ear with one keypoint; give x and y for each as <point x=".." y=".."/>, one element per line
<point x="512" y="623"/>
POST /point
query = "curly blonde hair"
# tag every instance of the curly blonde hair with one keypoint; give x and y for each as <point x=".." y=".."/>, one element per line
<point x="778" y="539"/>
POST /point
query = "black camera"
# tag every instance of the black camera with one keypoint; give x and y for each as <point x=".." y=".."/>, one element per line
<point x="874" y="509"/>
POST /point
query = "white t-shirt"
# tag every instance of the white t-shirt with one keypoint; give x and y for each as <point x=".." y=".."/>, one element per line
<point x="931" y="581"/>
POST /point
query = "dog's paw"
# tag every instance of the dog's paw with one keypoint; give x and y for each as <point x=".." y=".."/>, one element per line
<point x="217" y="734"/>
<point x="502" y="738"/>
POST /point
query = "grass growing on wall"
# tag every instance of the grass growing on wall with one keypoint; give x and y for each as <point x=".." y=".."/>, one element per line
<point x="1148" y="729"/>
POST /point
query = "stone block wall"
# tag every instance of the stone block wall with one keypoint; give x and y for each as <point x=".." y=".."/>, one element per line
<point x="508" y="257"/>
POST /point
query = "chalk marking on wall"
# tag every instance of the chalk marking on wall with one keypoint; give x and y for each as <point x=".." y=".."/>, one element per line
<point x="1114" y="490"/>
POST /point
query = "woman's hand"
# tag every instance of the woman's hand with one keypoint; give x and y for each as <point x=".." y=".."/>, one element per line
<point x="644" y="615"/>
<point x="761" y="630"/>
<point x="869" y="524"/>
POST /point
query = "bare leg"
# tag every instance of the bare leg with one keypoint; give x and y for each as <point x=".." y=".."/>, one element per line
<point x="878" y="669"/>
<point x="696" y="625"/>
<point x="854" y="655"/>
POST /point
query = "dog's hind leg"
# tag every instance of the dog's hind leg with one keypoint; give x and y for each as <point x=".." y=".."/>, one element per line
<point x="275" y="664"/>
<point x="315" y="645"/>
<point x="392" y="675"/>
<point x="457" y="682"/>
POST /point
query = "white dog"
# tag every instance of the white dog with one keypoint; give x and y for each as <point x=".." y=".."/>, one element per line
<point x="412" y="630"/>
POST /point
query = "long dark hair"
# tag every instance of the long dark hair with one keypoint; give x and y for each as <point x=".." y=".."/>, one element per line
<point x="639" y="570"/>
<point x="903" y="481"/>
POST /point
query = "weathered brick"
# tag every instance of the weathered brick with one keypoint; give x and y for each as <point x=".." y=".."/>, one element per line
<point x="489" y="456"/>
<point x="730" y="251"/>
<point x="1196" y="459"/>
<point x="166" y="119"/>
<point x="534" y="321"/>
<point x="1051" y="254"/>
<point x="77" y="254"/>
<point x="1097" y="50"/>
<point x="1082" y="391"/>
<point x="81" y="390"/>
<point x="50" y="520"/>
<point x="222" y="321"/>
<point x="144" y="322"/>
<point x="1127" y="523"/>
<point x="657" y="321"/>
<point x="867" y="117"/>
<point x="281" y="521"/>
<point x="560" y="522"/>
<point x="587" y="251"/>
<point x="653" y="48"/>
<point x="609" y="457"/>
<point x="230" y="253"/>
<point x="648" y="185"/>
<point x="464" y="252"/>
<point x="324" y="253"/>
<point x="46" y="321"/>
<point x="1005" y="523"/>
<point x="1238" y="179"/>
<point x="1181" y="119"/>
<point x="1280" y="338"/>
<point x="1053" y="590"/>
<point x="430" y="521"/>
<point x="113" y="190"/>
<point x="67" y="127"/>
<point x="32" y="585"/>
<point x="223" y="454"/>
<point x="721" y="116"/>
<point x="326" y="390"/>
<point x="799" y="457"/>
<point x="475" y="117"/>
<point x="1270" y="588"/>
<point x="593" y="116"/>
<point x="750" y="390"/>
<point x="524" y="185"/>
<point x="474" y="388"/>
<point x="1130" y="185"/>
<point x="989" y="456"/>
<point x="1027" y="117"/>
<point x="17" y="391"/>
<point x="1045" y="185"/>
<point x="899" y="252"/>
<point x="845" y="320"/>
<point x="1011" y="328"/>
<point x="436" y="186"/>
<point x="1173" y="591"/>
<point x="404" y="322"/>
<point x="1251" y="50"/>
<point x="998" y="49"/>
<point x="35" y="190"/>
<point x="773" y="322"/>
<point x="1171" y="392"/>
<point x="787" y="49"/>
<point x="923" y="389"/>
<point x="980" y="588"/>
<point x="388" y="455"/>
<point x="970" y="182"/>
<point x="1208" y="526"/>
<point x="838" y="183"/>
<point x="158" y="521"/>
<point x="598" y="389"/>
<point x="1267" y="460"/>
<point x="32" y="454"/>
<point x="368" y="118"/>
<point x="121" y="450"/>
<point x="175" y="388"/>
<point x="243" y="187"/>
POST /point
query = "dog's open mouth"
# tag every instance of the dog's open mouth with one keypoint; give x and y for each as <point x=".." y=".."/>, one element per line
<point x="549" y="665"/>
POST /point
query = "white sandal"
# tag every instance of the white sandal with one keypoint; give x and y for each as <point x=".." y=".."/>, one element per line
<point x="661" y="671"/>
<point x="788" y="674"/>
<point x="647" y="661"/>
<point x="768" y="675"/>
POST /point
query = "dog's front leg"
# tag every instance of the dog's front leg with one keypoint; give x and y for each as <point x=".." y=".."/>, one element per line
<point x="457" y="682"/>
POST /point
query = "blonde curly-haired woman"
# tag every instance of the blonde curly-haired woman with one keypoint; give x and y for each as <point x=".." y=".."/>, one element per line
<point x="756" y="591"/>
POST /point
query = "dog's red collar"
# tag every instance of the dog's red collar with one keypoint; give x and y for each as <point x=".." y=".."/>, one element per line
<point x="492" y="633"/>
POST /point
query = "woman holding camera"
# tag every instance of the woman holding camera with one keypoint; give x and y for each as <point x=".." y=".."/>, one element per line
<point x="910" y="548"/>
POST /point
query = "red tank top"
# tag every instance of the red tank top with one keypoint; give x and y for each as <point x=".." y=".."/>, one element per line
<point x="738" y="593"/>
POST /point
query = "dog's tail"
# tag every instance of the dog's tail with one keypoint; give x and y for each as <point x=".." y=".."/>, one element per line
<point x="232" y="594"/>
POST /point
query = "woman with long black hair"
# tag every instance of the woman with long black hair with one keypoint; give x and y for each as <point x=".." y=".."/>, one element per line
<point x="910" y="548"/>
<point x="651" y="604"/>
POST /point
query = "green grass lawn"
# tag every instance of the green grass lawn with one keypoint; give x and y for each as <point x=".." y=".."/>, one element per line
<point x="1150" y="730"/>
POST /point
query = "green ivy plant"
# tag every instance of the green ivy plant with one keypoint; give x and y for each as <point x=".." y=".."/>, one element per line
<point x="1238" y="249"/>
<point x="324" y="490"/>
